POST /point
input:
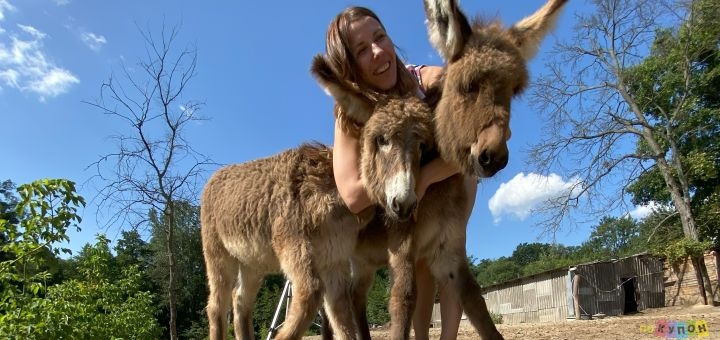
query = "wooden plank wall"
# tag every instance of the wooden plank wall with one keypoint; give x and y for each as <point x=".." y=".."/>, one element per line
<point x="536" y="298"/>
<point x="544" y="297"/>
<point x="601" y="285"/>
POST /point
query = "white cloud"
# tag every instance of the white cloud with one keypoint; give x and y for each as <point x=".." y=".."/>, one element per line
<point x="5" y="7"/>
<point x="95" y="42"/>
<point x="61" y="2"/>
<point x="32" y="31"/>
<point x="24" y="65"/>
<point x="523" y="193"/>
<point x="643" y="211"/>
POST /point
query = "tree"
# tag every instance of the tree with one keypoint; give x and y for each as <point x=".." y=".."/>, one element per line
<point x="526" y="253"/>
<point x="100" y="304"/>
<point x="8" y="202"/>
<point x="604" y="95"/>
<point x="45" y="211"/>
<point x="615" y="237"/>
<point x="189" y="264"/>
<point x="132" y="250"/>
<point x="496" y="271"/>
<point x="154" y="166"/>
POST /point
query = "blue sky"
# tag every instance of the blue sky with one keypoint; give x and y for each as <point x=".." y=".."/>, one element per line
<point x="253" y="61"/>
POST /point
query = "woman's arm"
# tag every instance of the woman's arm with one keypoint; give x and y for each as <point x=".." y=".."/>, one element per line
<point x="437" y="169"/>
<point x="434" y="171"/>
<point x="346" y="169"/>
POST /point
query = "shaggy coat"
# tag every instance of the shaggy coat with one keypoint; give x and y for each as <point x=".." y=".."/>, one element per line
<point x="284" y="214"/>
<point x="486" y="67"/>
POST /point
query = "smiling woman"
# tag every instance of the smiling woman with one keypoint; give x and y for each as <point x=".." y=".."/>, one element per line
<point x="362" y="53"/>
<point x="374" y="53"/>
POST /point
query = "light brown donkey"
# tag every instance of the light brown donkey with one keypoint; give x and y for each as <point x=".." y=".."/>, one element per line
<point x="283" y="213"/>
<point x="486" y="67"/>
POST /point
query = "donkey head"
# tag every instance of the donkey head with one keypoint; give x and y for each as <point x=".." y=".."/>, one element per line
<point x="486" y="67"/>
<point x="394" y="134"/>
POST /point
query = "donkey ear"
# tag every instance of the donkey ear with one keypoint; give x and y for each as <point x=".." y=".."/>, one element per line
<point x="448" y="28"/>
<point x="529" y="32"/>
<point x="345" y="94"/>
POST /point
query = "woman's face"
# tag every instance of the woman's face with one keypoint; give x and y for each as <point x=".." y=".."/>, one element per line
<point x="374" y="53"/>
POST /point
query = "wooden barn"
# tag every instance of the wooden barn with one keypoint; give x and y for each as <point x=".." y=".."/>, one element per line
<point x="613" y="287"/>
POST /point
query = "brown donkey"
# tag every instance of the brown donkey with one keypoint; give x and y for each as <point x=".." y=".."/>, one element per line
<point x="284" y="213"/>
<point x="486" y="67"/>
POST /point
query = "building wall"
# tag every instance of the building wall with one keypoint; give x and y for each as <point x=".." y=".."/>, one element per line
<point x="601" y="289"/>
<point x="536" y="298"/>
<point x="548" y="296"/>
<point x="681" y="285"/>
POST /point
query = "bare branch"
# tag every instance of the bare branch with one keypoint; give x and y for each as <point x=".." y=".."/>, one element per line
<point x="594" y="121"/>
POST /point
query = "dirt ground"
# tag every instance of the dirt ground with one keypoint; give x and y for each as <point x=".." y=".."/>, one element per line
<point x="636" y="327"/>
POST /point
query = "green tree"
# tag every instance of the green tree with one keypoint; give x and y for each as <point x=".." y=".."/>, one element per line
<point x="8" y="202"/>
<point x="677" y="87"/>
<point x="526" y="253"/>
<point x="94" y="306"/>
<point x="615" y="237"/>
<point x="101" y="304"/>
<point x="555" y="256"/>
<point x="44" y="212"/>
<point x="131" y="250"/>
<point x="496" y="271"/>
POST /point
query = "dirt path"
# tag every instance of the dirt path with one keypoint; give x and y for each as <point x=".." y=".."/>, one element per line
<point x="635" y="327"/>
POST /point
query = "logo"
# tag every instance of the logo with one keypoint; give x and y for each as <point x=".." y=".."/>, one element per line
<point x="674" y="329"/>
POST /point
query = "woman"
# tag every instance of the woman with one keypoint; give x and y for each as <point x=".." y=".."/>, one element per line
<point x="360" y="51"/>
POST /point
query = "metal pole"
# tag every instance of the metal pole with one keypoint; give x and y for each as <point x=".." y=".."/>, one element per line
<point x="285" y="294"/>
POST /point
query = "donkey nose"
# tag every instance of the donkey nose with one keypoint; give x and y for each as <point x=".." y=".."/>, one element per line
<point x="403" y="208"/>
<point x="493" y="160"/>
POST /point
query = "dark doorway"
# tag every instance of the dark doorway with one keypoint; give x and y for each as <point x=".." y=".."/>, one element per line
<point x="628" y="286"/>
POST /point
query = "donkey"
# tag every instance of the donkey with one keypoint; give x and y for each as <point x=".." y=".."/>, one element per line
<point x="486" y="68"/>
<point x="284" y="213"/>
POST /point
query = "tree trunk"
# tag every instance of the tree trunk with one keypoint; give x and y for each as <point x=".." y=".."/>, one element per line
<point x="682" y="205"/>
<point x="681" y="202"/>
<point x="171" y="279"/>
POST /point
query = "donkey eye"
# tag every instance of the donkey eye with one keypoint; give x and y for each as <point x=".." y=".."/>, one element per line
<point x="381" y="140"/>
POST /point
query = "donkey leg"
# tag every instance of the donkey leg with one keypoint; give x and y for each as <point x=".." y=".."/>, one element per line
<point x="306" y="300"/>
<point x="244" y="296"/>
<point x="221" y="272"/>
<point x="336" y="281"/>
<point x="307" y="291"/>
<point x="474" y="304"/>
<point x="325" y="328"/>
<point x="453" y="272"/>
<point x="402" y="293"/>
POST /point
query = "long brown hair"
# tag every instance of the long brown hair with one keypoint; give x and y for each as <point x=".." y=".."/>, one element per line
<point x="344" y="65"/>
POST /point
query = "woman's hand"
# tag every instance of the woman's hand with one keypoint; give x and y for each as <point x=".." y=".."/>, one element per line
<point x="434" y="171"/>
